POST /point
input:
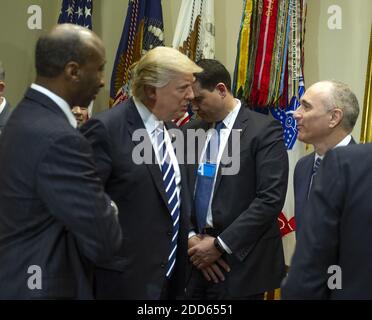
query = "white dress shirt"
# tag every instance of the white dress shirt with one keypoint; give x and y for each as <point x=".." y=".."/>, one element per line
<point x="151" y="122"/>
<point x="224" y="136"/>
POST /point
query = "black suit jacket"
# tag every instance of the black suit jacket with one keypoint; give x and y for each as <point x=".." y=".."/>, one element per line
<point x="245" y="206"/>
<point x="138" y="271"/>
<point x="337" y="230"/>
<point x="4" y="116"/>
<point x="53" y="211"/>
<point x="301" y="183"/>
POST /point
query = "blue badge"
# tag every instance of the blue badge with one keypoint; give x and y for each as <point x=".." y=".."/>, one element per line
<point x="207" y="170"/>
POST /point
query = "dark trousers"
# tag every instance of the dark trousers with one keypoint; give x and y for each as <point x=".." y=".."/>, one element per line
<point x="198" y="288"/>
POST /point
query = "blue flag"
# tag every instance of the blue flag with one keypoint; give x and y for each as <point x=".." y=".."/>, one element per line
<point x="143" y="30"/>
<point x="77" y="12"/>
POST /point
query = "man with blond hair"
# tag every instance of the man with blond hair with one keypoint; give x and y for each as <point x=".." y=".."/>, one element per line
<point x="152" y="196"/>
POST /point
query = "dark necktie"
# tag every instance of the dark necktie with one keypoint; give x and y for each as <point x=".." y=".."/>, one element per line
<point x="169" y="180"/>
<point x="204" y="181"/>
<point x="313" y="173"/>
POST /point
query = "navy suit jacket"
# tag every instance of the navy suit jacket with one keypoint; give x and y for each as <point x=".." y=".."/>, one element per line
<point x="301" y="183"/>
<point x="138" y="271"/>
<point x="53" y="211"/>
<point x="4" y="116"/>
<point x="337" y="230"/>
<point x="245" y="206"/>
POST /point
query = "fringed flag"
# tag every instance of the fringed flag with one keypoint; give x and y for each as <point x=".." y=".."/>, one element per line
<point x="143" y="30"/>
<point x="268" y="74"/>
<point x="194" y="35"/>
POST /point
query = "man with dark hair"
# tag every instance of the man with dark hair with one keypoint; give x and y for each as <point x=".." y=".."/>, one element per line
<point x="325" y="119"/>
<point x="234" y="238"/>
<point x="5" y="109"/>
<point x="55" y="219"/>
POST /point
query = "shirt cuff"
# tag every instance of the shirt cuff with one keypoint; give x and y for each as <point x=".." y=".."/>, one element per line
<point x="191" y="234"/>
<point x="223" y="244"/>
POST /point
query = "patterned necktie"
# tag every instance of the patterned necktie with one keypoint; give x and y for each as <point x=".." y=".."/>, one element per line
<point x="169" y="180"/>
<point x="204" y="182"/>
<point x="313" y="173"/>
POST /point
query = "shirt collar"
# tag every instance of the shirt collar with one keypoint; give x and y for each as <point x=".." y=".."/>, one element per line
<point x="230" y="118"/>
<point x="149" y="119"/>
<point x="61" y="103"/>
<point x="343" y="143"/>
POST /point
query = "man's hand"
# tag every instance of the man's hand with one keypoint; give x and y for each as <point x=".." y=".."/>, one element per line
<point x="204" y="253"/>
<point x="214" y="271"/>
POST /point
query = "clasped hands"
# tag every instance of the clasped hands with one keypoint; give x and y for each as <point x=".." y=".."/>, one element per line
<point x="205" y="256"/>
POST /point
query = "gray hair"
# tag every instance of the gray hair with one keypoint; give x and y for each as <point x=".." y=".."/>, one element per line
<point x="2" y="72"/>
<point x="343" y="98"/>
<point x="158" y="67"/>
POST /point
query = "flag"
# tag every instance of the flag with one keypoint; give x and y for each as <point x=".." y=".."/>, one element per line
<point x="194" y="35"/>
<point x="268" y="75"/>
<point x="77" y="12"/>
<point x="142" y="31"/>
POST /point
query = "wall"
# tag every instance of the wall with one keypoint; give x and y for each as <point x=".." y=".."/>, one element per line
<point x="339" y="54"/>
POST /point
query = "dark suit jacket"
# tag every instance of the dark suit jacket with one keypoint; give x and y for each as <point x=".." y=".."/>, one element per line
<point x="245" y="206"/>
<point x="337" y="230"/>
<point x="138" y="271"/>
<point x="4" y="116"/>
<point x="301" y="183"/>
<point x="53" y="211"/>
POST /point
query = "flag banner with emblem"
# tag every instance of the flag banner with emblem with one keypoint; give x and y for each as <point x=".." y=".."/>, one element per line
<point x="269" y="77"/>
<point x="194" y="35"/>
<point x="77" y="12"/>
<point x="143" y="30"/>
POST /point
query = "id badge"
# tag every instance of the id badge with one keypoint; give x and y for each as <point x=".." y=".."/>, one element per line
<point x="207" y="170"/>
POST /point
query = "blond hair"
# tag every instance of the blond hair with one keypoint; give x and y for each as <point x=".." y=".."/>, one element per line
<point x="159" y="66"/>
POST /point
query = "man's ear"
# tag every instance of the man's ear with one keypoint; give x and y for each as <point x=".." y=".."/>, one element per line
<point x="72" y="71"/>
<point x="2" y="87"/>
<point x="337" y="115"/>
<point x="222" y="90"/>
<point x="150" y="92"/>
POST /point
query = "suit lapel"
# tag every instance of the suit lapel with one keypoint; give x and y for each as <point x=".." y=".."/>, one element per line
<point x="135" y="122"/>
<point x="240" y="125"/>
<point x="305" y="176"/>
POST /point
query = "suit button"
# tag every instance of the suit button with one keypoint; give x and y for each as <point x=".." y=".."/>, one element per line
<point x="169" y="233"/>
<point x="162" y="265"/>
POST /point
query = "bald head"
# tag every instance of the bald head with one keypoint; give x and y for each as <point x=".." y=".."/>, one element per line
<point x="336" y="94"/>
<point x="63" y="44"/>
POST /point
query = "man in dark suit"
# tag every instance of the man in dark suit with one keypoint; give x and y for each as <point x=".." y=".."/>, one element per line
<point x="56" y="222"/>
<point x="333" y="258"/>
<point x="5" y="109"/>
<point x="325" y="119"/>
<point x="235" y="239"/>
<point x="151" y="195"/>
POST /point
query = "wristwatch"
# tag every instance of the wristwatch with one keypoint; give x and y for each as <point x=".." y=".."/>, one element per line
<point x="218" y="246"/>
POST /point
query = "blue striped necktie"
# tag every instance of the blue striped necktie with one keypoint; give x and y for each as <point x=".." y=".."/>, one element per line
<point x="204" y="183"/>
<point x="169" y="180"/>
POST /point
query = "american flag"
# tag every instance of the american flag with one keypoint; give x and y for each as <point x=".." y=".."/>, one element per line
<point x="77" y="12"/>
